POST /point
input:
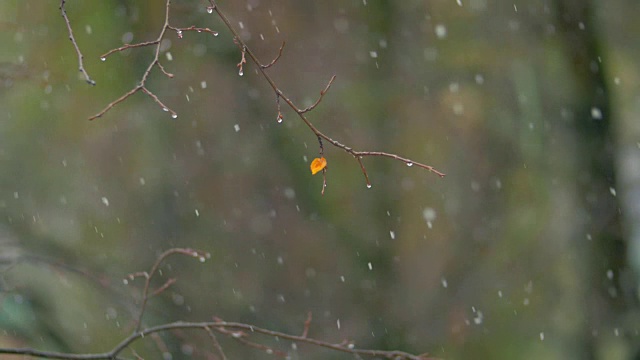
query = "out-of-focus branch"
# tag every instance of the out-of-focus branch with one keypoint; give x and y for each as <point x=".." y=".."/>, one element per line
<point x="242" y="332"/>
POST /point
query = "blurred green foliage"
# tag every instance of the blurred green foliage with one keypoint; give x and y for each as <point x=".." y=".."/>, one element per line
<point x="522" y="251"/>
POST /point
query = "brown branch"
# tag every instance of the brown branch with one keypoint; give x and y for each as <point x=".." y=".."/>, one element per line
<point x="216" y="344"/>
<point x="243" y="61"/>
<point x="124" y="47"/>
<point x="345" y="347"/>
<point x="164" y="287"/>
<point x="192" y="28"/>
<point x="157" y="100"/>
<point x="358" y="155"/>
<point x="87" y="78"/>
<point x="324" y="171"/>
<point x="238" y="331"/>
<point x="321" y="96"/>
<point x="154" y="62"/>
<point x="149" y="276"/>
<point x="241" y="337"/>
<point x="116" y="102"/>
<point x="307" y="325"/>
<point x="160" y="343"/>
<point x="245" y="51"/>
<point x="279" y="118"/>
<point x="273" y="62"/>
<point x="169" y="75"/>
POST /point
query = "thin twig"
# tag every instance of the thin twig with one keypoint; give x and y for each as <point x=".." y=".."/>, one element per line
<point x="216" y="344"/>
<point x="243" y="61"/>
<point x="307" y="325"/>
<point x="154" y="62"/>
<point x="345" y="347"/>
<point x="164" y="287"/>
<point x="273" y="62"/>
<point x="241" y="337"/>
<point x="324" y="170"/>
<point x="124" y="47"/>
<point x="116" y="102"/>
<point x="321" y="96"/>
<point x="149" y="276"/>
<point x="75" y="44"/>
<point x="192" y="28"/>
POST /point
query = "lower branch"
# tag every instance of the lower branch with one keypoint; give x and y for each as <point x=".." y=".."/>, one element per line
<point x="242" y="330"/>
<point x="244" y="333"/>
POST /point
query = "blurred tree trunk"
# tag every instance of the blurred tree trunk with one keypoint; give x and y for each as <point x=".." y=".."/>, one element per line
<point x="597" y="176"/>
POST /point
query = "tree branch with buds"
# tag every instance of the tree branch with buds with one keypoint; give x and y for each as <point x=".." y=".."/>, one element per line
<point x="246" y="53"/>
<point x="244" y="333"/>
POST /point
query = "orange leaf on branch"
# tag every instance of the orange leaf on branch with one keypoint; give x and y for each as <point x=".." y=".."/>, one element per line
<point x="318" y="164"/>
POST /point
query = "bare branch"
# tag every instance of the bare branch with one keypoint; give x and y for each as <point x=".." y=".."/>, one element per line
<point x="241" y="337"/>
<point x="244" y="51"/>
<point x="116" y="102"/>
<point x="244" y="333"/>
<point x="307" y="325"/>
<point x="242" y="61"/>
<point x="273" y="62"/>
<point x="164" y="287"/>
<point x="409" y="162"/>
<point x="154" y="62"/>
<point x="321" y="96"/>
<point x="225" y="327"/>
<point x="124" y="47"/>
<point x="75" y="44"/>
<point x="364" y="171"/>
<point x="216" y="344"/>
<point x="301" y="112"/>
<point x="192" y="28"/>
<point x="149" y="276"/>
<point x="157" y="100"/>
<point x="169" y="75"/>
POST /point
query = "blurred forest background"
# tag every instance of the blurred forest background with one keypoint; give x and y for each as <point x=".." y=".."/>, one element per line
<point x="528" y="249"/>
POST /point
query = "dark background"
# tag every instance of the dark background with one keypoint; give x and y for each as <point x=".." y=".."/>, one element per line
<point x="528" y="249"/>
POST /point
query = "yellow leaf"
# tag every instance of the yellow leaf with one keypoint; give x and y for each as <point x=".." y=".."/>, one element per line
<point x="318" y="164"/>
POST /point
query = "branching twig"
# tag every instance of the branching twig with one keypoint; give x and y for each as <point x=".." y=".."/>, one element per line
<point x="222" y="327"/>
<point x="192" y="28"/>
<point x="241" y="337"/>
<point x="320" y="98"/>
<point x="273" y="62"/>
<point x="149" y="276"/>
<point x="155" y="62"/>
<point x="216" y="344"/>
<point x="239" y="331"/>
<point x="75" y="44"/>
<point x="244" y="51"/>
<point x="358" y="155"/>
